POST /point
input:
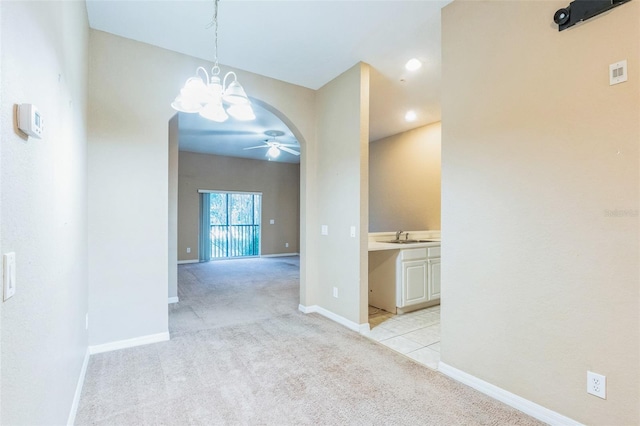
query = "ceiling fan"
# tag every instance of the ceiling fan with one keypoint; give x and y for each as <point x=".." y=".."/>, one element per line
<point x="274" y="147"/>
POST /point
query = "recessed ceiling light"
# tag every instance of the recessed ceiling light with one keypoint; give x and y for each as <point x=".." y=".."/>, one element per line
<point x="410" y="115"/>
<point x="413" y="64"/>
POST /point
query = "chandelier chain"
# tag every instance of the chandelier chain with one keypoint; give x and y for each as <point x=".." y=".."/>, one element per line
<point x="214" y="24"/>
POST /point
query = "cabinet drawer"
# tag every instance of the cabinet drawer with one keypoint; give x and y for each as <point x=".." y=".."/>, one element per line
<point x="416" y="253"/>
<point x="434" y="251"/>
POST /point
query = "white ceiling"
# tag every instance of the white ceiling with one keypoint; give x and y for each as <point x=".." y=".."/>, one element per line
<point x="303" y="42"/>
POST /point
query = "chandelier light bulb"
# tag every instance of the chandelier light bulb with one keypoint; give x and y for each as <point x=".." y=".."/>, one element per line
<point x="214" y="112"/>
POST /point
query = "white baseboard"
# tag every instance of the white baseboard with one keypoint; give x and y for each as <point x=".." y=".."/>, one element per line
<point x="280" y="255"/>
<point x="129" y="343"/>
<point x="173" y="300"/>
<point x="360" y="328"/>
<point x="528" y="407"/>
<point x="183" y="262"/>
<point x="76" y="397"/>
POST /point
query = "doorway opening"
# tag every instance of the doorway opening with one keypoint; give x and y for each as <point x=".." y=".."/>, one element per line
<point x="229" y="224"/>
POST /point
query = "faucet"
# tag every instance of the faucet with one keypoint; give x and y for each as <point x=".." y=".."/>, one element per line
<point x="398" y="235"/>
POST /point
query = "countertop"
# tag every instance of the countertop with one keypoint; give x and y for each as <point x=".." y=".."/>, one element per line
<point x="379" y="245"/>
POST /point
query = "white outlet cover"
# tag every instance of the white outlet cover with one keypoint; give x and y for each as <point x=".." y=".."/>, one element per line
<point x="335" y="292"/>
<point x="324" y="230"/>
<point x="9" y="276"/>
<point x="272" y="221"/>
<point x="597" y="384"/>
<point x="352" y="232"/>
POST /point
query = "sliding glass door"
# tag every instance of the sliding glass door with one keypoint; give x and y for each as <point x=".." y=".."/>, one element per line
<point x="229" y="225"/>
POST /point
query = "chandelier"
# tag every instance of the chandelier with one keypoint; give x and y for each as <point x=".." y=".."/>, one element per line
<point x="212" y="97"/>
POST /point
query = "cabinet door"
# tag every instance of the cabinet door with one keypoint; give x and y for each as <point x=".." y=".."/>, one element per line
<point x="434" y="278"/>
<point x="414" y="282"/>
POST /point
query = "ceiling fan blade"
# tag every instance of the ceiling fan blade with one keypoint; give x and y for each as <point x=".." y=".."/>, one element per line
<point x="255" y="147"/>
<point x="290" y="145"/>
<point x="290" y="151"/>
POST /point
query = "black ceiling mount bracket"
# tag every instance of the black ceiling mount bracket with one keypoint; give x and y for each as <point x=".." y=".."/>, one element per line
<point x="581" y="10"/>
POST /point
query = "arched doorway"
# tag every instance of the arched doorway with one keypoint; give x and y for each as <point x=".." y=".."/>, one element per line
<point x="237" y="175"/>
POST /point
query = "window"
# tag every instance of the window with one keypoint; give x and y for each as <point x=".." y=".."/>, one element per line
<point x="230" y="225"/>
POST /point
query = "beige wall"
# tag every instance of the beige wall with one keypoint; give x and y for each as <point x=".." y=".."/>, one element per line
<point x="404" y="181"/>
<point x="173" y="144"/>
<point x="342" y="171"/>
<point x="131" y="87"/>
<point x="279" y="184"/>
<point x="44" y="209"/>
<point x="540" y="280"/>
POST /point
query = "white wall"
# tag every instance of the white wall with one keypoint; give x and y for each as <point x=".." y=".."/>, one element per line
<point x="44" y="209"/>
<point x="540" y="278"/>
<point x="1" y="139"/>
<point x="131" y="87"/>
<point x="341" y="160"/>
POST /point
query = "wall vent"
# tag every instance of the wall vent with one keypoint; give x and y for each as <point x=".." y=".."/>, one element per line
<point x="618" y="72"/>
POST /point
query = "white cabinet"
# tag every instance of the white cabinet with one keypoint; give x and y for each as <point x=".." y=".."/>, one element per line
<point x="433" y="277"/>
<point x="418" y="276"/>
<point x="414" y="280"/>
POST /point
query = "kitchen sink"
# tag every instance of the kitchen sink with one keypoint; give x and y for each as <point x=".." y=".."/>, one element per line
<point x="410" y="241"/>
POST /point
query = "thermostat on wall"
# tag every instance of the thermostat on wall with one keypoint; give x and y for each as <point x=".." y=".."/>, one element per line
<point x="30" y="120"/>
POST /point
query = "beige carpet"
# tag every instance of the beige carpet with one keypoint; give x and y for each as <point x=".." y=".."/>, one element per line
<point x="241" y="354"/>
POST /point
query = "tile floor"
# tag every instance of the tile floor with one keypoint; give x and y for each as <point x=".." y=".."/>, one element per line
<point x="416" y="334"/>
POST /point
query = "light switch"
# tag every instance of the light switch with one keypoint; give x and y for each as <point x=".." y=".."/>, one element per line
<point x="352" y="232"/>
<point x="324" y="230"/>
<point x="9" y="277"/>
<point x="272" y="221"/>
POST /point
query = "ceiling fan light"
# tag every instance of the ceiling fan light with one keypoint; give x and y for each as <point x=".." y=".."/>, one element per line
<point x="214" y="112"/>
<point x="241" y="112"/>
<point x="235" y="94"/>
<point x="273" y="152"/>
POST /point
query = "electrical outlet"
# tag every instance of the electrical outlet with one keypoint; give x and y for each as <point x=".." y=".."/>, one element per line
<point x="286" y="244"/>
<point x="324" y="230"/>
<point x="188" y="249"/>
<point x="335" y="292"/>
<point x="352" y="232"/>
<point x="272" y="221"/>
<point x="597" y="384"/>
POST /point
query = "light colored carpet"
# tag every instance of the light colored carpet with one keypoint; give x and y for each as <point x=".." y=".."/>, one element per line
<point x="241" y="353"/>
